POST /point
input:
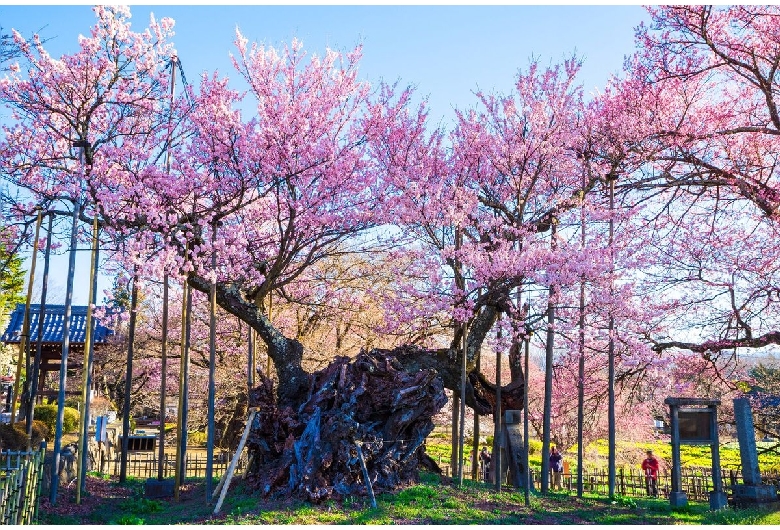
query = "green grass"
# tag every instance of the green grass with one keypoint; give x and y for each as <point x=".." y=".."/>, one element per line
<point x="429" y="502"/>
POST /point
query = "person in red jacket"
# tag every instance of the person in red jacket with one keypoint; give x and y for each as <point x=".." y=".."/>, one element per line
<point x="650" y="467"/>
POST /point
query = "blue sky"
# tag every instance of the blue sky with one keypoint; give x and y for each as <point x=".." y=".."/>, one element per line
<point x="447" y="52"/>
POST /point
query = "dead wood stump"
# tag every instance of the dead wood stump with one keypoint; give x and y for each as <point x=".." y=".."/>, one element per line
<point x="370" y="400"/>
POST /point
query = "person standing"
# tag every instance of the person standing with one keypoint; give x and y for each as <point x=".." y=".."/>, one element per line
<point x="650" y="466"/>
<point x="484" y="463"/>
<point x="556" y="466"/>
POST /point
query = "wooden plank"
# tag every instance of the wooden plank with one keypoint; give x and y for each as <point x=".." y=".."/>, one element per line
<point x="227" y="477"/>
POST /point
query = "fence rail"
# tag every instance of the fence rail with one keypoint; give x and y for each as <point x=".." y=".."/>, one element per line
<point x="20" y="485"/>
<point x="696" y="483"/>
<point x="146" y="464"/>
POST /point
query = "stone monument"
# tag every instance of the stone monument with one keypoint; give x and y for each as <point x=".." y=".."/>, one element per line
<point x="751" y="491"/>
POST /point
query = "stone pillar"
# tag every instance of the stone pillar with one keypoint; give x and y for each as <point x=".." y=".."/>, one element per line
<point x="751" y="491"/>
<point x="677" y="498"/>
<point x="751" y="476"/>
<point x="718" y="498"/>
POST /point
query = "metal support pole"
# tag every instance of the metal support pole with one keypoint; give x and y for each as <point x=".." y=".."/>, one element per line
<point x="526" y="442"/>
<point x="498" y="438"/>
<point x="89" y="340"/>
<point x="462" y="435"/>
<point x="250" y="364"/>
<point x="181" y="429"/>
<point x="611" y="351"/>
<point x="65" y="351"/>
<point x="128" y="380"/>
<point x="212" y="362"/>
<point x="581" y="363"/>
<point x="163" y="380"/>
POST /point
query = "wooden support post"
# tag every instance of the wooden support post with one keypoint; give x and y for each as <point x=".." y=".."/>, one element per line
<point x="369" y="487"/>
<point x="224" y="482"/>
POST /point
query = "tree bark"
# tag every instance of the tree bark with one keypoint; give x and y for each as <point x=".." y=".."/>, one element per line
<point x="304" y="435"/>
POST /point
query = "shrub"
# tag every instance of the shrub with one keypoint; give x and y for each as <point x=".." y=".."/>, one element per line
<point x="40" y="432"/>
<point x="48" y="415"/>
<point x="196" y="438"/>
<point x="15" y="438"/>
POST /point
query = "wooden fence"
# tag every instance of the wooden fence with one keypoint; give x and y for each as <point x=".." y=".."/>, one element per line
<point x="696" y="483"/>
<point x="20" y="485"/>
<point x="146" y="464"/>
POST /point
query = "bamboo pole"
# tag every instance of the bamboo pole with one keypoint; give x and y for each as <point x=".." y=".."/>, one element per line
<point x="24" y="340"/>
<point x="41" y="314"/>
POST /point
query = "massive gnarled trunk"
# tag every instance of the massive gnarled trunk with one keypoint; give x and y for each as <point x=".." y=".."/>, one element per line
<point x="371" y="403"/>
<point x="304" y="439"/>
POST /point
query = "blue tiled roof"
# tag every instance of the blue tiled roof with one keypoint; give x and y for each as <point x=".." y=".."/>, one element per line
<point x="53" y="323"/>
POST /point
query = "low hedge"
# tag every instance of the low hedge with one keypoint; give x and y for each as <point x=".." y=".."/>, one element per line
<point x="48" y="415"/>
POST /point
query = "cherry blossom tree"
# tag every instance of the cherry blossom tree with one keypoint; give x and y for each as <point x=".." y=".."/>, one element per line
<point x="707" y="126"/>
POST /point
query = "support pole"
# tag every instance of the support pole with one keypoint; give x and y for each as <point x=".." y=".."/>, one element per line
<point x="181" y="423"/>
<point x="548" y="373"/>
<point x="581" y="360"/>
<point x="526" y="459"/>
<point x="224" y="483"/>
<point x="24" y="340"/>
<point x="41" y="314"/>
<point x="611" y="464"/>
<point x="250" y="364"/>
<point x="65" y="350"/>
<point x="498" y="438"/>
<point x="212" y="362"/>
<point x="366" y="478"/>
<point x="89" y="340"/>
<point x="462" y="435"/>
<point x="475" y="440"/>
<point x="163" y="380"/>
<point x="164" y="338"/>
<point x="128" y="380"/>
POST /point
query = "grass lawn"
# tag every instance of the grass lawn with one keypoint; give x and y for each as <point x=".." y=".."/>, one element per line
<point x="434" y="501"/>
